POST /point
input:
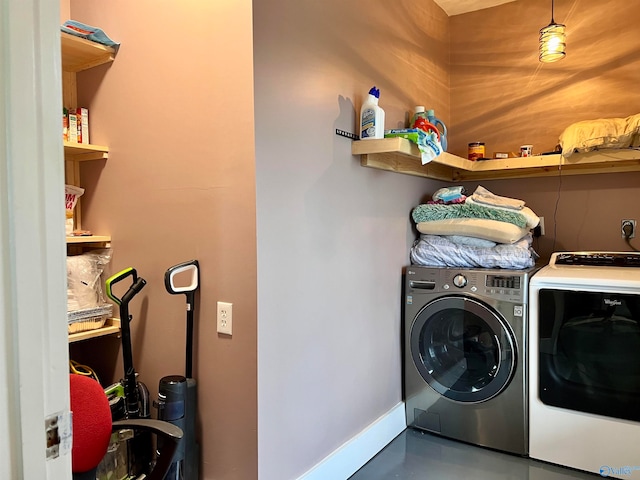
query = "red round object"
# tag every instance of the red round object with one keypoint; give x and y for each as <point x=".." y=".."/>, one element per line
<point x="91" y="423"/>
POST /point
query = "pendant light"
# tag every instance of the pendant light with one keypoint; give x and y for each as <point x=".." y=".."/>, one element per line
<point x="552" y="41"/>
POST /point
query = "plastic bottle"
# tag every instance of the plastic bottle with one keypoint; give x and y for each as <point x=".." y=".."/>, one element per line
<point x="371" y="117"/>
<point x="419" y="114"/>
<point x="420" y="120"/>
<point x="431" y="116"/>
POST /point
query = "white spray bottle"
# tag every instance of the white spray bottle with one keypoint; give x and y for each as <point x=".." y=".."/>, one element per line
<point x="371" y="117"/>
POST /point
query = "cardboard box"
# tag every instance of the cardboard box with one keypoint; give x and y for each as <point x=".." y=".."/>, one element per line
<point x="73" y="127"/>
<point x="82" y="115"/>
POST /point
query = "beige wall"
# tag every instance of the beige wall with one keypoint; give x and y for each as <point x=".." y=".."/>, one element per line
<point x="176" y="110"/>
<point x="502" y="95"/>
<point x="65" y="11"/>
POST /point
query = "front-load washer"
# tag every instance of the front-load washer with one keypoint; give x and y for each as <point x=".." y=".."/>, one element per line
<point x="584" y="392"/>
<point x="465" y="354"/>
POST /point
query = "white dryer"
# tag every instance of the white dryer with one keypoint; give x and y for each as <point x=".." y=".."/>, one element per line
<point x="584" y="360"/>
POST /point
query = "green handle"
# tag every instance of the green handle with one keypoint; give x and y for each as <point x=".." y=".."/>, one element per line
<point x="117" y="278"/>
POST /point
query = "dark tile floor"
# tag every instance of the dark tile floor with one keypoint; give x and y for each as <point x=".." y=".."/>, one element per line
<point x="418" y="455"/>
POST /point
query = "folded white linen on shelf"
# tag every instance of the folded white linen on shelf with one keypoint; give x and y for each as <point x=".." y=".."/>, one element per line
<point x="532" y="219"/>
<point x="485" y="197"/>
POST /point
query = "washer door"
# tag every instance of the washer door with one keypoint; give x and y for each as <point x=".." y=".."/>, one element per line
<point x="463" y="349"/>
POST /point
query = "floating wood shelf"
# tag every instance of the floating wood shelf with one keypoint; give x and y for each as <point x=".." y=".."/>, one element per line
<point x="79" y="245"/>
<point x="89" y="239"/>
<point x="81" y="54"/>
<point x="400" y="155"/>
<point x="111" y="327"/>
<point x="80" y="152"/>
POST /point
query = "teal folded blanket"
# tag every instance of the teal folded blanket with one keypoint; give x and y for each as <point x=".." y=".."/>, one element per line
<point x="434" y="211"/>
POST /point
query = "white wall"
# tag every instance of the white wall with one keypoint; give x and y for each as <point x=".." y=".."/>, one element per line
<point x="332" y="236"/>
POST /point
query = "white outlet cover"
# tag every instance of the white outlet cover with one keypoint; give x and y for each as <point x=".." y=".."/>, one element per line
<point x="225" y="318"/>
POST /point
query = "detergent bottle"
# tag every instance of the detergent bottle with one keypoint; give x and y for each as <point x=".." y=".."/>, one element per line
<point x="419" y="117"/>
<point x="371" y="117"/>
<point x="431" y="116"/>
<point x="421" y="121"/>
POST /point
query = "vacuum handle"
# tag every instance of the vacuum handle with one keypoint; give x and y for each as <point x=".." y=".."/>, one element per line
<point x="190" y="291"/>
<point x="169" y="277"/>
<point x="118" y="277"/>
<point x="134" y="290"/>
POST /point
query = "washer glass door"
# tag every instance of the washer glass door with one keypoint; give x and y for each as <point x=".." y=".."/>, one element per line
<point x="463" y="348"/>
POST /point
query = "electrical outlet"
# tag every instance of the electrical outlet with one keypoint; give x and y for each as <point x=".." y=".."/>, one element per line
<point x="628" y="228"/>
<point x="225" y="317"/>
<point x="538" y="231"/>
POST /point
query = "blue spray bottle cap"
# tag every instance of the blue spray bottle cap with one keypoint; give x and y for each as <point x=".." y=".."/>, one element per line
<point x="375" y="92"/>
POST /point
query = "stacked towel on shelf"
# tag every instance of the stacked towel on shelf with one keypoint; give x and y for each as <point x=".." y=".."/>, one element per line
<point x="436" y="211"/>
<point x="485" y="197"/>
<point x="485" y="231"/>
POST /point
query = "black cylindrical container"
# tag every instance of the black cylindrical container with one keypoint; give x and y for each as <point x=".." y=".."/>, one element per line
<point x="177" y="405"/>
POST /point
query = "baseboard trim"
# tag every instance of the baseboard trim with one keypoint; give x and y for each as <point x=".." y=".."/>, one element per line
<point x="353" y="454"/>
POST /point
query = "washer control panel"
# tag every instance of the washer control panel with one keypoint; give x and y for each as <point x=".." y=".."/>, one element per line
<point x="497" y="284"/>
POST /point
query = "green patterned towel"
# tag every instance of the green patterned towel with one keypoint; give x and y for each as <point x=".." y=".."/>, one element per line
<point x="434" y="211"/>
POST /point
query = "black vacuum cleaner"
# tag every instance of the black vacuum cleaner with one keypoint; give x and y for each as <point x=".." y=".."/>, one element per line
<point x="135" y="403"/>
<point x="177" y="395"/>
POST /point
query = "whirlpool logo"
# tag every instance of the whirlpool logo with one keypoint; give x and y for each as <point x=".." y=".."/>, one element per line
<point x="612" y="303"/>
<point x="606" y="470"/>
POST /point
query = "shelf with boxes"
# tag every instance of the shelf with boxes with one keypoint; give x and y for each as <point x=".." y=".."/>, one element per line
<point x="79" y="54"/>
<point x="402" y="156"/>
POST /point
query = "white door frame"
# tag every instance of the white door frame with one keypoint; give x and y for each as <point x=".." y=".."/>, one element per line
<point x="33" y="340"/>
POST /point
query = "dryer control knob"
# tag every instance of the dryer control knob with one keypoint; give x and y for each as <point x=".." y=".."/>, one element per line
<point x="459" y="281"/>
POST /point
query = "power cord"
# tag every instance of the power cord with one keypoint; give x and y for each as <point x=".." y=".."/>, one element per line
<point x="79" y="369"/>
<point x="555" y="210"/>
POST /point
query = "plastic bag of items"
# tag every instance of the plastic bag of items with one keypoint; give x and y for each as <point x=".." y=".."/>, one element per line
<point x="87" y="307"/>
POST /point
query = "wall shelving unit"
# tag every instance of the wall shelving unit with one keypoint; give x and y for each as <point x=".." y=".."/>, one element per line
<point x="402" y="156"/>
<point x="79" y="54"/>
